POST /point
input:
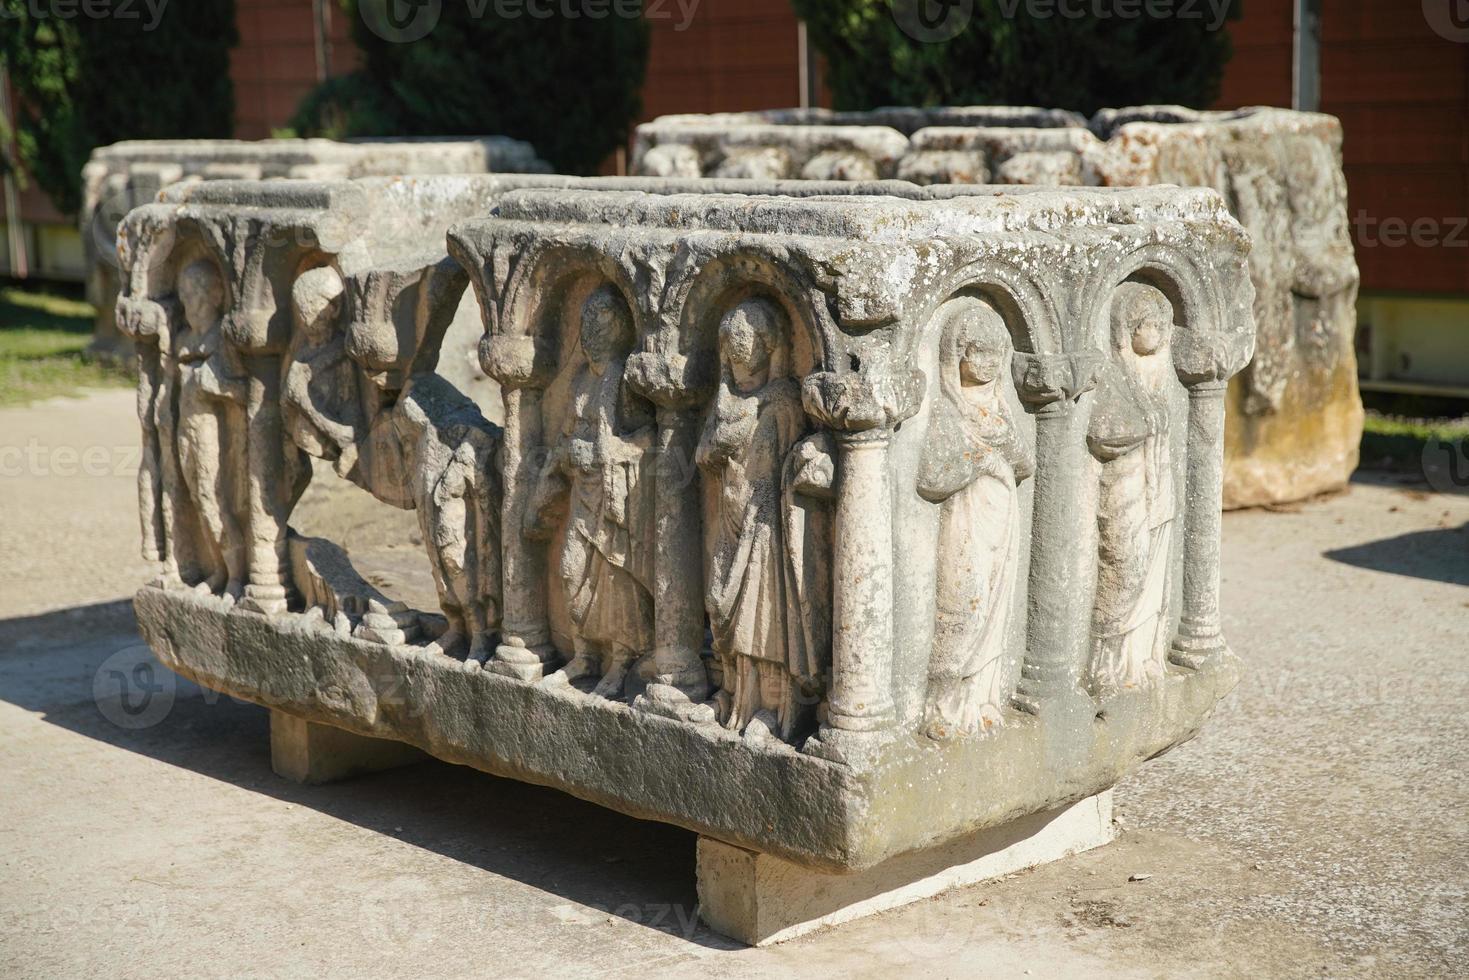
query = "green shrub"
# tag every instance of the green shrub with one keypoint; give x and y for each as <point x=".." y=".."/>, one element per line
<point x="82" y="82"/>
<point x="568" y="85"/>
<point x="1012" y="52"/>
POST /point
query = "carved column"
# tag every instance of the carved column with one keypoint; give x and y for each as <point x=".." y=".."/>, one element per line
<point x="258" y="324"/>
<point x="523" y="372"/>
<point x="1205" y="363"/>
<point x="681" y="683"/>
<point x="862" y="410"/>
<point x="1058" y="599"/>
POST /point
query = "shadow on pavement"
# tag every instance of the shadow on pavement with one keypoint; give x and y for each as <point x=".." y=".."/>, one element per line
<point x="107" y="686"/>
<point x="1438" y="554"/>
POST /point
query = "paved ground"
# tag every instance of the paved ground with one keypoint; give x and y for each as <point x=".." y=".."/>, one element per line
<point x="1319" y="827"/>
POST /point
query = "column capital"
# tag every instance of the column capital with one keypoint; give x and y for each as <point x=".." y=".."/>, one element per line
<point x="1049" y="383"/>
<point x="1208" y="359"/>
<point x="669" y="381"/>
<point x="517" y="360"/>
<point x="858" y="401"/>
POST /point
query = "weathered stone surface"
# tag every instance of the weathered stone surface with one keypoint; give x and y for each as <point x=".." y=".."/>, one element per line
<point x="1295" y="416"/>
<point x="937" y="476"/>
<point x="125" y="175"/>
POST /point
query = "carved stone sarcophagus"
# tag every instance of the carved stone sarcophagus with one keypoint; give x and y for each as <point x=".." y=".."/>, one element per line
<point x="844" y="530"/>
<point x="1295" y="415"/>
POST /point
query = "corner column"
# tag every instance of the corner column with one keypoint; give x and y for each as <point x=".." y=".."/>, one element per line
<point x="1205" y="362"/>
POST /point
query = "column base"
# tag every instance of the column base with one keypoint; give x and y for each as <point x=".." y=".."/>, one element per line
<point x="760" y="899"/>
<point x="311" y="753"/>
<point x="1196" y="651"/>
<point x="522" y="663"/>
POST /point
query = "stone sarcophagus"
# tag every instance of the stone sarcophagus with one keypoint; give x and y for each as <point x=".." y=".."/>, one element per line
<point x="126" y="175"/>
<point x="867" y="536"/>
<point x="1295" y="415"/>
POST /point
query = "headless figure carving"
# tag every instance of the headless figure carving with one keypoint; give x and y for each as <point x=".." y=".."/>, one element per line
<point x="211" y="429"/>
<point x="974" y="460"/>
<point x="1136" y="504"/>
<point x="599" y="471"/>
<point x="763" y="545"/>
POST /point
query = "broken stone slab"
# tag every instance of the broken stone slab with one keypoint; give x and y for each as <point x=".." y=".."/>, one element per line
<point x="1295" y="418"/>
<point x="124" y="175"/>
<point x="834" y="528"/>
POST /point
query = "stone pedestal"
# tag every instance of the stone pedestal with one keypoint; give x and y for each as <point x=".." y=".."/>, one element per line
<point x="761" y="899"/>
<point x="306" y="752"/>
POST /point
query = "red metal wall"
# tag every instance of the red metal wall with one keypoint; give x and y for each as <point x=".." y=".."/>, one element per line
<point x="275" y="64"/>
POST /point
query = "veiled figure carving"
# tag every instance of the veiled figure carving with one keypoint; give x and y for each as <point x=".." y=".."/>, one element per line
<point x="767" y="532"/>
<point x="211" y="427"/>
<point x="599" y="469"/>
<point x="973" y="463"/>
<point x="1137" y="501"/>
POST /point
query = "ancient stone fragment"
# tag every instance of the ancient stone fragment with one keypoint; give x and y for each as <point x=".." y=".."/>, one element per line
<point x="1295" y="416"/>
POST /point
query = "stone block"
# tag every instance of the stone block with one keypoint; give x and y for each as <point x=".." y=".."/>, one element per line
<point x="311" y="753"/>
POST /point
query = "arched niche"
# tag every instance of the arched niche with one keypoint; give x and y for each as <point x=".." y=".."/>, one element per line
<point x="701" y="300"/>
<point x="1029" y="313"/>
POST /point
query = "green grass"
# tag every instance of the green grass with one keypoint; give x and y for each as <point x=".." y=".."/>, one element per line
<point x="43" y="348"/>
<point x="1394" y="442"/>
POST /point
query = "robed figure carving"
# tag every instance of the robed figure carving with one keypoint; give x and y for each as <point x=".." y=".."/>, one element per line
<point x="211" y="428"/>
<point x="1136" y="506"/>
<point x="767" y="531"/>
<point x="973" y="463"/>
<point x="600" y="470"/>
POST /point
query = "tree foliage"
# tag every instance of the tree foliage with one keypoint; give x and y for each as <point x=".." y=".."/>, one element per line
<point x="80" y="82"/>
<point x="569" y="85"/>
<point x="1067" y="54"/>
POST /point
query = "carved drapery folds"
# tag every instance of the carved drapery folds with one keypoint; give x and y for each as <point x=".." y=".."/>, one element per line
<point x="825" y="476"/>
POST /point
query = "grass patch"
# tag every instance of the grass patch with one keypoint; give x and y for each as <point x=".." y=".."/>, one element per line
<point x="43" y="348"/>
<point x="1395" y="442"/>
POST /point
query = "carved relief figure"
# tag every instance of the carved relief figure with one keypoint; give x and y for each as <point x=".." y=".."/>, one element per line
<point x="424" y="448"/>
<point x="600" y="471"/>
<point x="1137" y="502"/>
<point x="973" y="462"/>
<point x="211" y="428"/>
<point x="767" y="536"/>
<point x="322" y="403"/>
